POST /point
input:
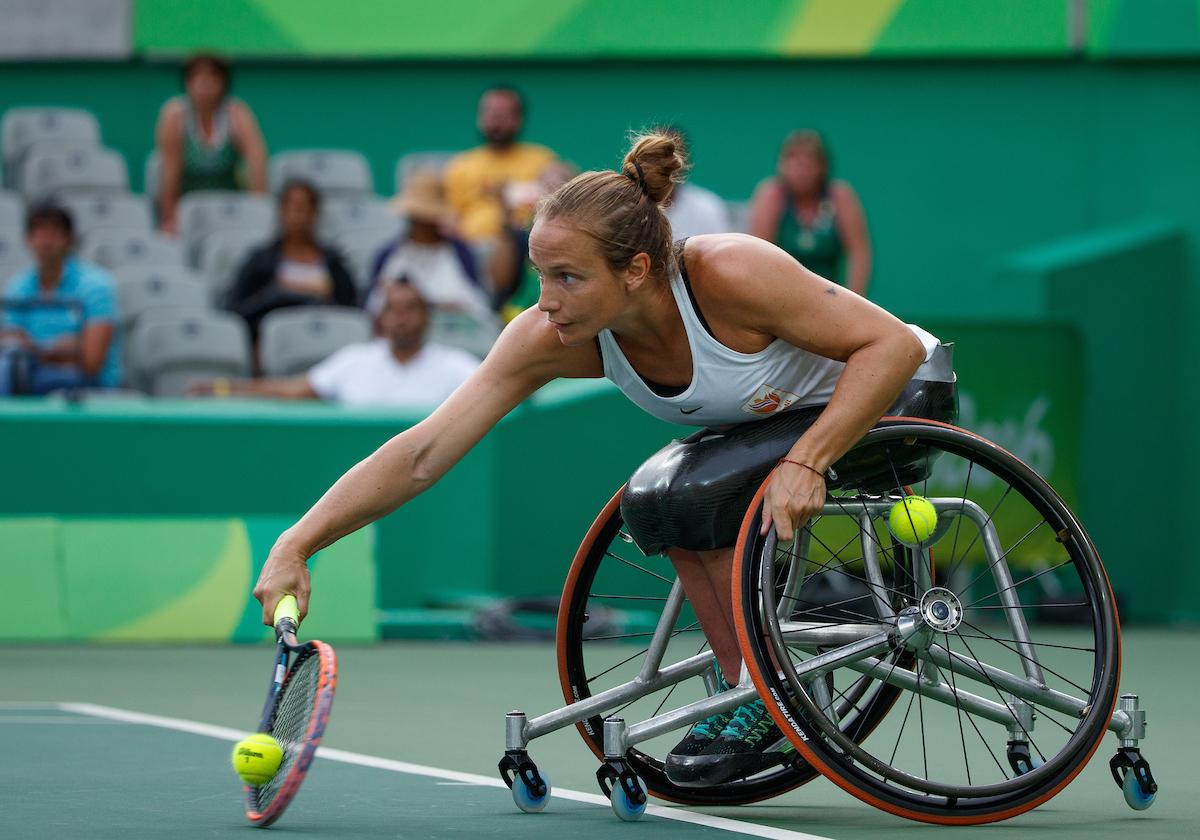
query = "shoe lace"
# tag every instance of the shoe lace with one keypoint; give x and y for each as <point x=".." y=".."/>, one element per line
<point x="750" y="722"/>
<point x="711" y="726"/>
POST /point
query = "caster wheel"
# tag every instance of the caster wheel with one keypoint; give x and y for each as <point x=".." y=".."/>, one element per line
<point x="1024" y="765"/>
<point x="1135" y="797"/>
<point x="625" y="809"/>
<point x="525" y="797"/>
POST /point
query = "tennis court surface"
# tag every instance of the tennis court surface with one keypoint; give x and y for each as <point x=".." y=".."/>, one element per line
<point x="133" y="742"/>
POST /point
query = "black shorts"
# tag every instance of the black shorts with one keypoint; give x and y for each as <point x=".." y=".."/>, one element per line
<point x="693" y="493"/>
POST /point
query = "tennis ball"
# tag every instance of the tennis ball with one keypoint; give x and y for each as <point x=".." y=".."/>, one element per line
<point x="257" y="758"/>
<point x="913" y="520"/>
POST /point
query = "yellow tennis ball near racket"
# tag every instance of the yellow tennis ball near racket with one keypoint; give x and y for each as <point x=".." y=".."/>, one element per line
<point x="913" y="520"/>
<point x="257" y="758"/>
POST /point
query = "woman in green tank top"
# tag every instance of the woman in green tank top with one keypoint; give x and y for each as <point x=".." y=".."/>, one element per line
<point x="815" y="219"/>
<point x="206" y="139"/>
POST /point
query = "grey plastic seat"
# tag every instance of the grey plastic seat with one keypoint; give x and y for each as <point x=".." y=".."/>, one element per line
<point x="142" y="289"/>
<point x="332" y="171"/>
<point x="44" y="148"/>
<point x="12" y="212"/>
<point x="458" y="329"/>
<point x="21" y="128"/>
<point x="57" y="174"/>
<point x="13" y="255"/>
<point x="91" y="212"/>
<point x="739" y="214"/>
<point x="201" y="213"/>
<point x="293" y="340"/>
<point x="117" y="247"/>
<point x="173" y="351"/>
<point x="360" y="247"/>
<point x="346" y="215"/>
<point x="221" y="254"/>
<point x="412" y="162"/>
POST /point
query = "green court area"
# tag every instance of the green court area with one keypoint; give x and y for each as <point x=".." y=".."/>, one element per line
<point x="128" y="742"/>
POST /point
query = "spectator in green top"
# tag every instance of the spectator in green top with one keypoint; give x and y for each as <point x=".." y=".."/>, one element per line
<point x="207" y="139"/>
<point x="816" y="219"/>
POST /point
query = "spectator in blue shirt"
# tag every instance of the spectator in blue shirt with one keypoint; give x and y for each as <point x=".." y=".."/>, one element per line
<point x="58" y="318"/>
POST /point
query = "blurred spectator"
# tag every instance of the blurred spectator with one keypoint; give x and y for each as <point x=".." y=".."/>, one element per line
<point x="58" y="318"/>
<point x="441" y="267"/>
<point x="694" y="210"/>
<point x="502" y="172"/>
<point x="514" y="280"/>
<point x="203" y="136"/>
<point x="396" y="369"/>
<point x="817" y="220"/>
<point x="295" y="269"/>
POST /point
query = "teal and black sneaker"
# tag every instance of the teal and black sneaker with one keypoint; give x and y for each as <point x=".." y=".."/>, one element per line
<point x="699" y="738"/>
<point x="749" y="744"/>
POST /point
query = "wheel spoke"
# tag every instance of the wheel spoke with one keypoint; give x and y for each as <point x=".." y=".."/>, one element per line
<point x="1045" y="668"/>
<point x="621" y="559"/>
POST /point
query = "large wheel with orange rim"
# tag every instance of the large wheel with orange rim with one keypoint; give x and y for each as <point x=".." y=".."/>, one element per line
<point x="610" y="606"/>
<point x="1006" y="651"/>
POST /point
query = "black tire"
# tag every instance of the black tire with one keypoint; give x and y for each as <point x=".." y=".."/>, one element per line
<point x="896" y="454"/>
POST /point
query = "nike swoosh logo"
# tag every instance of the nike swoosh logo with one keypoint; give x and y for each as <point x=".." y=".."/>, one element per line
<point x="690" y="411"/>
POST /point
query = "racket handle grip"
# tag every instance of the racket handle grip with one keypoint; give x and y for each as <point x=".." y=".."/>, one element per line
<point x="287" y="609"/>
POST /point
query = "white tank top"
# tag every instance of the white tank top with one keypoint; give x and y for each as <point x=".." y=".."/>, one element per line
<point x="729" y="387"/>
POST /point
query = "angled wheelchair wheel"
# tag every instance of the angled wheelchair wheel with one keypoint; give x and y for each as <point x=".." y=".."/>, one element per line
<point x="1002" y="609"/>
<point x="611" y="604"/>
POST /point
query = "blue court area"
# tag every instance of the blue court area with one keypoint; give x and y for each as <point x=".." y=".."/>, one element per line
<point x="134" y="742"/>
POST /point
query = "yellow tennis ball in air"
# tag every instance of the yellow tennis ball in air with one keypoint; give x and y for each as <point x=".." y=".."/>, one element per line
<point x="257" y="758"/>
<point x="913" y="520"/>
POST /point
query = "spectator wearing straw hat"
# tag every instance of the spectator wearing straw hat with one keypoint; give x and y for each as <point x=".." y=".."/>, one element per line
<point x="442" y="268"/>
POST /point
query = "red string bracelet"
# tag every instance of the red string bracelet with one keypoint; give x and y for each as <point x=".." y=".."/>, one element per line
<point x="802" y="464"/>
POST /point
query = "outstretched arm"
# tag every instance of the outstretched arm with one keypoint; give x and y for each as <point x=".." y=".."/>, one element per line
<point x="527" y="356"/>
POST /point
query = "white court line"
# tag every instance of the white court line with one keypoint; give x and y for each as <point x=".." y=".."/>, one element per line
<point x="226" y="733"/>
<point x="56" y="720"/>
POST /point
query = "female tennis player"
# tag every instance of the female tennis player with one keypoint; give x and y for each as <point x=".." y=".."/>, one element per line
<point x="723" y="331"/>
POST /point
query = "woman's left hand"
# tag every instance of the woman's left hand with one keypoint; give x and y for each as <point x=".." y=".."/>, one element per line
<point x="794" y="494"/>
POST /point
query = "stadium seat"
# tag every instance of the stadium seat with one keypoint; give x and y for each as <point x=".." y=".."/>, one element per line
<point x="57" y="174"/>
<point x="201" y="213"/>
<point x="172" y="351"/>
<point x="151" y="177"/>
<point x="21" y="128"/>
<point x="221" y="254"/>
<point x="412" y="162"/>
<point x="12" y="213"/>
<point x="334" y="172"/>
<point x="91" y="212"/>
<point x="44" y="148"/>
<point x="458" y="329"/>
<point x="13" y="256"/>
<point x="117" y="247"/>
<point x="360" y="247"/>
<point x="141" y="289"/>
<point x="293" y="340"/>
<point x="345" y="215"/>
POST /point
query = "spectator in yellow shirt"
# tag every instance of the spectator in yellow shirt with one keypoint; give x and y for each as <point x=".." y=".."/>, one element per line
<point x="501" y="173"/>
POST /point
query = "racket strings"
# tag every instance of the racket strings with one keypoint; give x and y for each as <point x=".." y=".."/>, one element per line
<point x="293" y="714"/>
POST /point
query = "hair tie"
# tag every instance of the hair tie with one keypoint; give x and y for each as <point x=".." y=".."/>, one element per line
<point x="640" y="180"/>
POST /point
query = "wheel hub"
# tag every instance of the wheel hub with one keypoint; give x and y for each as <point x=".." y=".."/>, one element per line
<point x="941" y="609"/>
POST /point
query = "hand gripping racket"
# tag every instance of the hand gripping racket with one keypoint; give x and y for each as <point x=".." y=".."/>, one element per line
<point x="299" y="698"/>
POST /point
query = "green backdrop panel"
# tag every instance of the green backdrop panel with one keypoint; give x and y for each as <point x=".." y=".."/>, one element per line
<point x="608" y="28"/>
<point x="31" y="568"/>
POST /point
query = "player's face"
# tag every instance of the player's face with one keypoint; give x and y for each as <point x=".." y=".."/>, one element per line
<point x="580" y="294"/>
<point x="499" y="118"/>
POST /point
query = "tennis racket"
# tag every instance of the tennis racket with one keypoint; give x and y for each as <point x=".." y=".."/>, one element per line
<point x="299" y="698"/>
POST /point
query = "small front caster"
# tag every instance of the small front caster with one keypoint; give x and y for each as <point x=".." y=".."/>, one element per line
<point x="623" y="788"/>
<point x="1020" y="759"/>
<point x="530" y="788"/>
<point x="1132" y="773"/>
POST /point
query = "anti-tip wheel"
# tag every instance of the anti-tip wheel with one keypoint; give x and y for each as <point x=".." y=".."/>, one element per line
<point x="1135" y="797"/>
<point x="621" y="805"/>
<point x="525" y="798"/>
